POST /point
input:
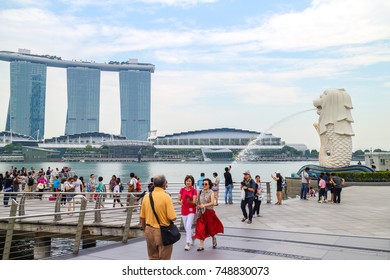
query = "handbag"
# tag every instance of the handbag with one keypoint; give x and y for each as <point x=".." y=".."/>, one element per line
<point x="242" y="194"/>
<point x="169" y="234"/>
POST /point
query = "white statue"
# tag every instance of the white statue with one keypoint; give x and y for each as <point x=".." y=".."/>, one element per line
<point x="334" y="128"/>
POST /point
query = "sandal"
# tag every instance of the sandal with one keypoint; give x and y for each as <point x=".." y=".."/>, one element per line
<point x="200" y="249"/>
<point x="243" y="219"/>
<point x="214" y="243"/>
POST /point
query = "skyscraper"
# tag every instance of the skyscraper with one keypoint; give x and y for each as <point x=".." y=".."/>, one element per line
<point x="83" y="100"/>
<point x="135" y="104"/>
<point x="26" y="109"/>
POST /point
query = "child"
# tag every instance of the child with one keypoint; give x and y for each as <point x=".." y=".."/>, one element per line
<point x="322" y="185"/>
<point x="312" y="192"/>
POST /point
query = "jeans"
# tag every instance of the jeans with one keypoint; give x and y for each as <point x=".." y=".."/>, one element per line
<point x="249" y="201"/>
<point x="304" y="189"/>
<point x="229" y="193"/>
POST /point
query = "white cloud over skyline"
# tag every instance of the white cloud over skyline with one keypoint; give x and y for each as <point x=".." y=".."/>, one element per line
<point x="228" y="64"/>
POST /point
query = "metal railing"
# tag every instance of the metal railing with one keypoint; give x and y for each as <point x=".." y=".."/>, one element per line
<point x="80" y="221"/>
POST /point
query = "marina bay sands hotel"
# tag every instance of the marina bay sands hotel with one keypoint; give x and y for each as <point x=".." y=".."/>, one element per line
<point x="26" y="109"/>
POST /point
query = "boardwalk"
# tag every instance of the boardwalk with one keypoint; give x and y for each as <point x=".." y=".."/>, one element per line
<point x="358" y="228"/>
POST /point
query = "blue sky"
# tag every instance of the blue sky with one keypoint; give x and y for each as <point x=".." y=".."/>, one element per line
<point x="219" y="63"/>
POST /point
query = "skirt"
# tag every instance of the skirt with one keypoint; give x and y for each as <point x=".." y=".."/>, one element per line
<point x="208" y="225"/>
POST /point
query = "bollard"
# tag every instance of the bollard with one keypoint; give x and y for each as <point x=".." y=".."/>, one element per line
<point x="57" y="207"/>
<point x="268" y="185"/>
<point x="98" y="214"/>
<point x="22" y="211"/>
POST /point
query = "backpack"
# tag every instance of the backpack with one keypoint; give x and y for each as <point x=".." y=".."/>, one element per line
<point x="120" y="187"/>
<point x="30" y="181"/>
<point x="284" y="184"/>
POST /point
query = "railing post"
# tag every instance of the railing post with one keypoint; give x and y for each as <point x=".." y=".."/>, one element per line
<point x="80" y="225"/>
<point x="268" y="185"/>
<point x="10" y="230"/>
<point x="129" y="215"/>
<point x="57" y="207"/>
<point x="98" y="214"/>
<point x="22" y="204"/>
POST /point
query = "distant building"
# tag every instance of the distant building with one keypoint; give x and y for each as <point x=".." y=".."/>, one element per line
<point x="26" y="113"/>
<point x="222" y="144"/>
<point x="135" y="104"/>
<point x="83" y="100"/>
<point x="380" y="159"/>
<point x="26" y="109"/>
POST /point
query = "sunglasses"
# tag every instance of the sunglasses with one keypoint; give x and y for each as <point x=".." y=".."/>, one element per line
<point x="205" y="184"/>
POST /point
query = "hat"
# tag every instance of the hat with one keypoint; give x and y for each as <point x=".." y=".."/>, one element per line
<point x="247" y="172"/>
<point x="277" y="172"/>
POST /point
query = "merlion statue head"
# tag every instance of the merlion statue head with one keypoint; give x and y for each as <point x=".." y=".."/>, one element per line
<point x="334" y="107"/>
<point x="334" y="128"/>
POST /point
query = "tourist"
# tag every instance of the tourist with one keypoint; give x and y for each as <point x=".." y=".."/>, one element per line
<point x="7" y="188"/>
<point x="338" y="184"/>
<point x="132" y="184"/>
<point x="62" y="187"/>
<point x="41" y="184"/>
<point x="208" y="223"/>
<point x="150" y="185"/>
<point x="116" y="193"/>
<point x="166" y="214"/>
<point x="111" y="184"/>
<point x="258" y="196"/>
<point x="199" y="184"/>
<point x="215" y="187"/>
<point x="131" y="187"/>
<point x="187" y="200"/>
<point x="69" y="188"/>
<point x="248" y="185"/>
<point x="329" y="186"/>
<point x="100" y="188"/>
<point x="56" y="185"/>
<point x="1" y="182"/>
<point x="91" y="186"/>
<point x="322" y="192"/>
<point x="279" y="179"/>
<point x="228" y="186"/>
<point x="305" y="182"/>
<point x="373" y="166"/>
<point x="78" y="184"/>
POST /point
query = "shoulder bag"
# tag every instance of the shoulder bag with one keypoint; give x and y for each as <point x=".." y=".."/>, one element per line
<point x="169" y="234"/>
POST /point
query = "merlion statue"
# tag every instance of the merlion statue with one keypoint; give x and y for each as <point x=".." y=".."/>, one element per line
<point x="334" y="128"/>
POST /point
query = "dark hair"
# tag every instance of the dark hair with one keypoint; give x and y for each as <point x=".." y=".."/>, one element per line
<point x="132" y="174"/>
<point x="118" y="180"/>
<point x="191" y="178"/>
<point x="100" y="178"/>
<point x="257" y="176"/>
<point x="208" y="181"/>
<point x="215" y="174"/>
<point x="202" y="174"/>
<point x="226" y="169"/>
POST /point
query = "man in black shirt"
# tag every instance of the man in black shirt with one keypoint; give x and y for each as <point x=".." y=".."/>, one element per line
<point x="228" y="186"/>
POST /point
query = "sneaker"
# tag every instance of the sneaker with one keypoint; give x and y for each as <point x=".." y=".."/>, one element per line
<point x="187" y="247"/>
<point x="325" y="201"/>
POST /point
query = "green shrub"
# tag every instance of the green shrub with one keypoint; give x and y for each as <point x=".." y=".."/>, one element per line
<point x="378" y="176"/>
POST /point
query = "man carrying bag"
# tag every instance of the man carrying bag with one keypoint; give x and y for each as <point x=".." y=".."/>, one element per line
<point x="164" y="215"/>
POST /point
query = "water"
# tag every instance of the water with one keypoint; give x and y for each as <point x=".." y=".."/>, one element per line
<point x="246" y="153"/>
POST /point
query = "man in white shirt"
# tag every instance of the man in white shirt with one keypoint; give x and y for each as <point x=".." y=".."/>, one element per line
<point x="305" y="182"/>
<point x="77" y="183"/>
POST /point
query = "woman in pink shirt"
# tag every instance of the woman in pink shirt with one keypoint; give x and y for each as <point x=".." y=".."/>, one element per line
<point x="187" y="200"/>
<point x="41" y="184"/>
<point x="322" y="192"/>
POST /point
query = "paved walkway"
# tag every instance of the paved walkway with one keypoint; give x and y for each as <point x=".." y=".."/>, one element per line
<point x="357" y="228"/>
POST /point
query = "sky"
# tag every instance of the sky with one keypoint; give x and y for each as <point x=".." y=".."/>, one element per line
<point x="253" y="64"/>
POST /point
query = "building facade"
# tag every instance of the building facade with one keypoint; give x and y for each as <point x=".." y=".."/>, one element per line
<point x="135" y="104"/>
<point x="26" y="114"/>
<point x="83" y="100"/>
<point x="26" y="109"/>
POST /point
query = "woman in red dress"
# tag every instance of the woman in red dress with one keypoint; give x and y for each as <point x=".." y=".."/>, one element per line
<point x="208" y="223"/>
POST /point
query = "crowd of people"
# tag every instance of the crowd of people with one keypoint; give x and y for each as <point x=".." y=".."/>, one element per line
<point x="197" y="198"/>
